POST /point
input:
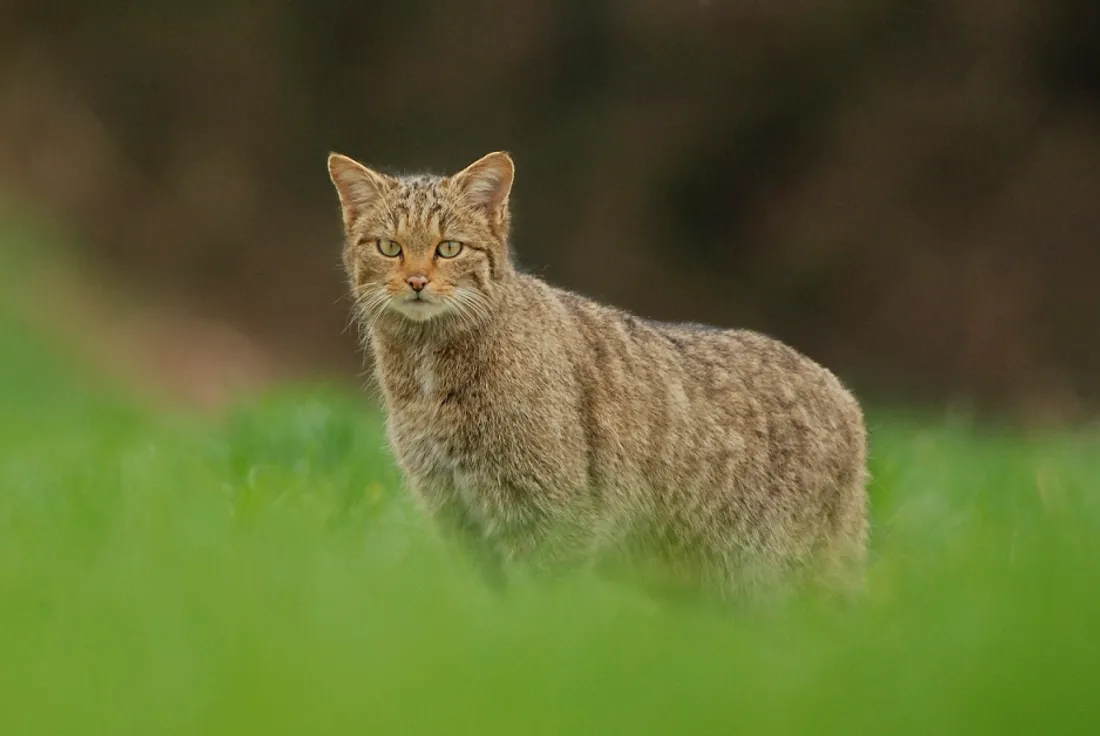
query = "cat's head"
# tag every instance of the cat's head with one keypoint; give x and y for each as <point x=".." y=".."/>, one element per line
<point x="423" y="247"/>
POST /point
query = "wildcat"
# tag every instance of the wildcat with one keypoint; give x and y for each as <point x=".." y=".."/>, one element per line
<point x="541" y="427"/>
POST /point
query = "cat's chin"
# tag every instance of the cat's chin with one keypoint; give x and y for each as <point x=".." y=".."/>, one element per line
<point x="419" y="310"/>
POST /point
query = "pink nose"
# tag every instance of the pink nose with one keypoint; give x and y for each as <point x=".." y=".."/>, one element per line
<point x="417" y="282"/>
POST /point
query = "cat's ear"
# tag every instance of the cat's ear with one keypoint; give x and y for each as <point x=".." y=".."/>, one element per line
<point x="487" y="182"/>
<point x="359" y="187"/>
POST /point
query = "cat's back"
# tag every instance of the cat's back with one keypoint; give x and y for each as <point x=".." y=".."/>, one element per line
<point x="795" y="416"/>
<point x="773" y="376"/>
<point x="694" y="406"/>
<point x="742" y="445"/>
<point x="719" y="373"/>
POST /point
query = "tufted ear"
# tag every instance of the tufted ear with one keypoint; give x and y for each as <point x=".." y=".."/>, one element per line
<point x="487" y="182"/>
<point x="359" y="187"/>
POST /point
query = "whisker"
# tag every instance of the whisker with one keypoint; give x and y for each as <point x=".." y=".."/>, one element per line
<point x="479" y="307"/>
<point x="378" y="307"/>
<point x="367" y="308"/>
<point x="476" y="303"/>
<point x="463" y="309"/>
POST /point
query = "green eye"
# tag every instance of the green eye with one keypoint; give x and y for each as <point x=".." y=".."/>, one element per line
<point x="449" y="249"/>
<point x="388" y="248"/>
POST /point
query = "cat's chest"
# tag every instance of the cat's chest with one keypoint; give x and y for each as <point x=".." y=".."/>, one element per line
<point x="435" y="412"/>
<point x="425" y="388"/>
<point x="424" y="370"/>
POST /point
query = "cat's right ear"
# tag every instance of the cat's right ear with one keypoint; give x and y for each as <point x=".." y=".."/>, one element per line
<point x="359" y="188"/>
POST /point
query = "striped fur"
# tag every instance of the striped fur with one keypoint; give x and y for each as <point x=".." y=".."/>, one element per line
<point x="540" y="426"/>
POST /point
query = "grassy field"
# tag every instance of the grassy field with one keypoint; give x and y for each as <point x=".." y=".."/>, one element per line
<point x="262" y="573"/>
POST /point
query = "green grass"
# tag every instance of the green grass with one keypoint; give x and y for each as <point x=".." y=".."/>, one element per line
<point x="263" y="573"/>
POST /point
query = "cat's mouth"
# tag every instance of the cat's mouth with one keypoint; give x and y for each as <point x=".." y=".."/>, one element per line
<point x="418" y="307"/>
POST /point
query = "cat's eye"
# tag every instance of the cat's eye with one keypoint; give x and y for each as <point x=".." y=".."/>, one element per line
<point x="388" y="248"/>
<point x="449" y="249"/>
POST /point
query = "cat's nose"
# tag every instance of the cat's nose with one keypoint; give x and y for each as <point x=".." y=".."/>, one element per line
<point x="417" y="282"/>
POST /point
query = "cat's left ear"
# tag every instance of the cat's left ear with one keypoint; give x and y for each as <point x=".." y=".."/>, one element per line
<point x="487" y="182"/>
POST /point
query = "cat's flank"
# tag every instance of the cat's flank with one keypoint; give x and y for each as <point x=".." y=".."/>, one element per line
<point x="543" y="427"/>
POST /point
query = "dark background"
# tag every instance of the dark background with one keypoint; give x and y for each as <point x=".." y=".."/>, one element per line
<point x="907" y="191"/>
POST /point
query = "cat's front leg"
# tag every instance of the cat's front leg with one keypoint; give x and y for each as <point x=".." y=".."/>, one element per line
<point x="530" y="529"/>
<point x="460" y="529"/>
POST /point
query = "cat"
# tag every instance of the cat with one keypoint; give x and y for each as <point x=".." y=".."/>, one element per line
<point x="546" y="429"/>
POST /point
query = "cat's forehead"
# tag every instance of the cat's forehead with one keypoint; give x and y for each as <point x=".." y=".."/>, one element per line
<point x="420" y="202"/>
<point x="422" y="193"/>
<point x="414" y="184"/>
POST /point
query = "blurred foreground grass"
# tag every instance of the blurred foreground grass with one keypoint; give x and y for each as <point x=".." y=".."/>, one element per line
<point x="262" y="573"/>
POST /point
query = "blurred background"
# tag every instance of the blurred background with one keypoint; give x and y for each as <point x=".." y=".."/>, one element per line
<point x="908" y="192"/>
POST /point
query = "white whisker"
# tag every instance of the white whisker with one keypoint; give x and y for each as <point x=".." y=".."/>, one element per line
<point x="470" y="306"/>
<point x="368" y="307"/>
